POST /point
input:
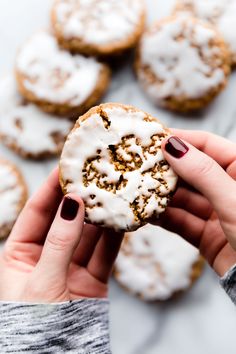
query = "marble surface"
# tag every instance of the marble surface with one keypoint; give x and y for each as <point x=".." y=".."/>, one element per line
<point x="202" y="320"/>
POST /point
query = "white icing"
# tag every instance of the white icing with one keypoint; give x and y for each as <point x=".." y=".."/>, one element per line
<point x="25" y="125"/>
<point x="83" y="143"/>
<point x="10" y="194"/>
<point x="55" y="75"/>
<point x="178" y="65"/>
<point x="220" y="12"/>
<point x="155" y="263"/>
<point x="99" y="22"/>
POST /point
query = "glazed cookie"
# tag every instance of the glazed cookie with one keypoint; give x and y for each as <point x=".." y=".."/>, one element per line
<point x="13" y="195"/>
<point x="27" y="130"/>
<point x="113" y="160"/>
<point x="182" y="63"/>
<point x="221" y="13"/>
<point x="155" y="264"/>
<point x="56" y="80"/>
<point x="98" y="27"/>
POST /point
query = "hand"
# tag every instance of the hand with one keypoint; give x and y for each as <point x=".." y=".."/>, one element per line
<point x="51" y="256"/>
<point x="203" y="210"/>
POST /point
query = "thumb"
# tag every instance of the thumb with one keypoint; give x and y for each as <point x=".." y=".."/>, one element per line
<point x="204" y="174"/>
<point x="62" y="239"/>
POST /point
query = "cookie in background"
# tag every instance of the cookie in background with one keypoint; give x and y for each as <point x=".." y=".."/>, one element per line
<point x="13" y="195"/>
<point x="57" y="81"/>
<point x="182" y="63"/>
<point x="98" y="27"/>
<point x="156" y="265"/>
<point x="221" y="13"/>
<point x="24" y="128"/>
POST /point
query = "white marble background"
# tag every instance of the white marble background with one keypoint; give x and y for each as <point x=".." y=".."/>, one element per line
<point x="203" y="320"/>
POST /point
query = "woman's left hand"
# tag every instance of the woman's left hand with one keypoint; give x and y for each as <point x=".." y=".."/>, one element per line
<point x="51" y="255"/>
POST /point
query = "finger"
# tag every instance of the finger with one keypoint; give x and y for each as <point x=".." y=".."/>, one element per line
<point x="183" y="223"/>
<point x="204" y="174"/>
<point x="63" y="238"/>
<point x="210" y="144"/>
<point x="208" y="238"/>
<point x="91" y="235"/>
<point x="231" y="170"/>
<point x="192" y="202"/>
<point x="104" y="256"/>
<point x="39" y="212"/>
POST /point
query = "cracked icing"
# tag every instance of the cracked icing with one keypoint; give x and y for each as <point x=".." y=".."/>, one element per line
<point x="222" y="13"/>
<point x="53" y="74"/>
<point x="12" y="194"/>
<point x="25" y="126"/>
<point x="98" y="22"/>
<point x="154" y="263"/>
<point x="113" y="160"/>
<point x="180" y="58"/>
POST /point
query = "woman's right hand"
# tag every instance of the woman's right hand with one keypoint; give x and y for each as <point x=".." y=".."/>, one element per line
<point x="203" y="211"/>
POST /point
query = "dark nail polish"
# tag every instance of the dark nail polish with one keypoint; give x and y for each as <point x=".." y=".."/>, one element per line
<point x="69" y="209"/>
<point x="176" y="148"/>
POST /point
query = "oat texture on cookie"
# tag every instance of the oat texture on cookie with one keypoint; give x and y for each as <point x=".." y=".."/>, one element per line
<point x="221" y="13"/>
<point x="155" y="264"/>
<point x="56" y="80"/>
<point x="100" y="27"/>
<point x="13" y="194"/>
<point x="113" y="160"/>
<point x="182" y="63"/>
<point x="27" y="130"/>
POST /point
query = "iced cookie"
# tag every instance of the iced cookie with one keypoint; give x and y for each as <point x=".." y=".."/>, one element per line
<point x="221" y="13"/>
<point x="155" y="264"/>
<point x="56" y="80"/>
<point x="13" y="194"/>
<point x="113" y="160"/>
<point x="182" y="63"/>
<point x="27" y="130"/>
<point x="98" y="27"/>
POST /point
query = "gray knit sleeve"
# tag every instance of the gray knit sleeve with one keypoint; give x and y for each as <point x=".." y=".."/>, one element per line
<point x="80" y="327"/>
<point x="228" y="282"/>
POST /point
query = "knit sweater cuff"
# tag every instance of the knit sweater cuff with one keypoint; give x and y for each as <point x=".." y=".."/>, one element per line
<point x="80" y="327"/>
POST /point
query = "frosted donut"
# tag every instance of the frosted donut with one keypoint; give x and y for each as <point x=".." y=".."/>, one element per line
<point x="182" y="63"/>
<point x="221" y="13"/>
<point x="113" y="160"/>
<point x="13" y="195"/>
<point x="27" y="130"/>
<point x="155" y="264"/>
<point x="56" y="80"/>
<point x="98" y="27"/>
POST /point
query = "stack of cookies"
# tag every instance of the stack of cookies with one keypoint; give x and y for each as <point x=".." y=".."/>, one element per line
<point x="59" y="74"/>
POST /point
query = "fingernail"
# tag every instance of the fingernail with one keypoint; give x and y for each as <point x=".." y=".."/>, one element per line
<point x="69" y="209"/>
<point x="176" y="147"/>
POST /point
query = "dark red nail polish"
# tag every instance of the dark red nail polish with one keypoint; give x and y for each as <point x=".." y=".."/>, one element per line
<point x="69" y="209"/>
<point x="176" y="147"/>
